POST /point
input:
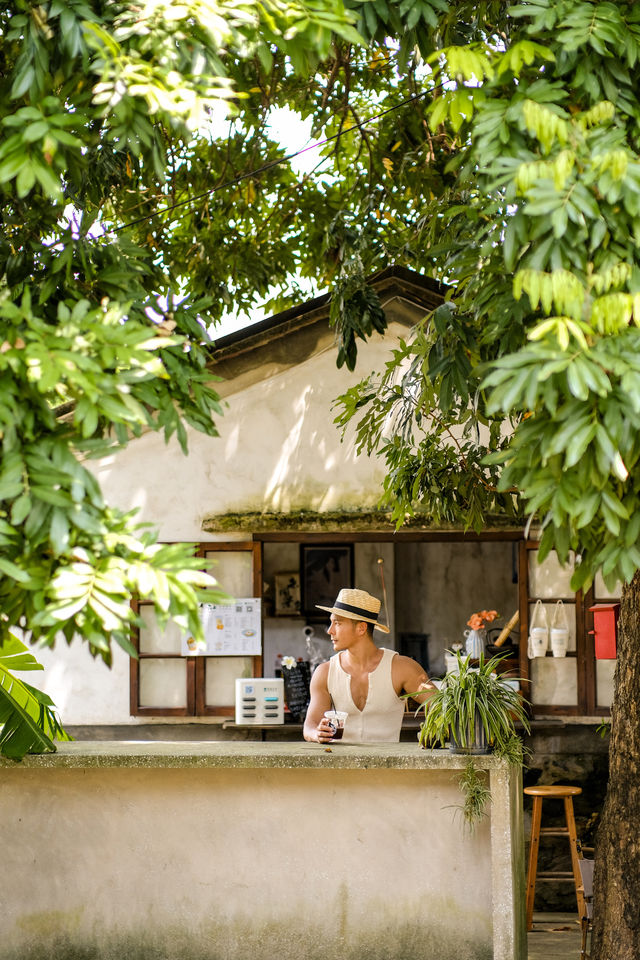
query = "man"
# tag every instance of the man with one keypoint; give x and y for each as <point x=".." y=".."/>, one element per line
<point x="362" y="679"/>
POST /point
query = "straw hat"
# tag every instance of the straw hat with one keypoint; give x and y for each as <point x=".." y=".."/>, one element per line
<point x="357" y="605"/>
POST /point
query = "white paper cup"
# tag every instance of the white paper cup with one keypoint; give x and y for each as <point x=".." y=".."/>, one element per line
<point x="538" y="641"/>
<point x="337" y="719"/>
<point x="559" y="641"/>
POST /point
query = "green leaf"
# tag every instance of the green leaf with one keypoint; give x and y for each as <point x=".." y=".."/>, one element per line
<point x="49" y="182"/>
<point x="10" y="167"/>
<point x="23" y="82"/>
<point x="35" y="131"/>
<point x="29" y="725"/>
<point x="12" y="570"/>
<point x="59" y="530"/>
<point x="14" y="655"/>
<point x="20" y="509"/>
<point x="578" y="442"/>
<point x="25" y="181"/>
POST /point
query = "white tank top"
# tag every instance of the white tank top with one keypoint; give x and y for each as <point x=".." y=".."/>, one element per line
<point x="381" y="718"/>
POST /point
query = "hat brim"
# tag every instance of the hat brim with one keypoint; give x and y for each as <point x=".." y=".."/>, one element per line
<point x="354" y="616"/>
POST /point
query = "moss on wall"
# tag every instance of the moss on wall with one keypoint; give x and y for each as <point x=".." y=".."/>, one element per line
<point x="311" y="521"/>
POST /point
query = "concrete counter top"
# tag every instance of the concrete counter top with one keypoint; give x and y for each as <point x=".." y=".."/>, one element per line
<point x="253" y="754"/>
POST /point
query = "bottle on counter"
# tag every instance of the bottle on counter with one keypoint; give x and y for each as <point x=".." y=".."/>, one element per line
<point x="278" y="667"/>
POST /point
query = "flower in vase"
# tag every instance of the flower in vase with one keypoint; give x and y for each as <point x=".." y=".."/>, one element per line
<point x="478" y="621"/>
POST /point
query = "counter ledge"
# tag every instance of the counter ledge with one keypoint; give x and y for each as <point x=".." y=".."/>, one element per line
<point x="228" y="754"/>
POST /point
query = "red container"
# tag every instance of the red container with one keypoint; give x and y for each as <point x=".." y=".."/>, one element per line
<point x="605" y="629"/>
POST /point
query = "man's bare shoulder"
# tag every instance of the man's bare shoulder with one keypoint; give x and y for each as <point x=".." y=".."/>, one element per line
<point x="405" y="667"/>
<point x="406" y="663"/>
<point x="321" y="674"/>
<point x="409" y="676"/>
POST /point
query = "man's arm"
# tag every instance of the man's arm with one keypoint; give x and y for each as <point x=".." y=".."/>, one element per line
<point x="316" y="726"/>
<point x="409" y="677"/>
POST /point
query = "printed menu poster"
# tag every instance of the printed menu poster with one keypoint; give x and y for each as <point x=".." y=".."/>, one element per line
<point x="230" y="630"/>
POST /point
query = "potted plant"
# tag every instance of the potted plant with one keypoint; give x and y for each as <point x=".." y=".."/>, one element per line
<point x="475" y="710"/>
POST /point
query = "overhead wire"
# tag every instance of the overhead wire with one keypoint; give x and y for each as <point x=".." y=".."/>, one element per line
<point x="268" y="166"/>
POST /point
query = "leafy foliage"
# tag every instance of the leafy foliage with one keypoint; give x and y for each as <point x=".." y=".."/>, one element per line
<point x="532" y="377"/>
<point x="470" y="699"/>
<point x="510" y="171"/>
<point x="29" y="724"/>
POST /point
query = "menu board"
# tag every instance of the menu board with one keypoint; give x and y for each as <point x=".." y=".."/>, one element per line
<point x="230" y="630"/>
<point x="296" y="689"/>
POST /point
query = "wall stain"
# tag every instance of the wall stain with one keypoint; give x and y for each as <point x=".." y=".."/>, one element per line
<point x="393" y="939"/>
<point x="50" y="922"/>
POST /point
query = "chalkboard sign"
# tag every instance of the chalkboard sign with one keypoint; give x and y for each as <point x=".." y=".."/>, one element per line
<point x="296" y="689"/>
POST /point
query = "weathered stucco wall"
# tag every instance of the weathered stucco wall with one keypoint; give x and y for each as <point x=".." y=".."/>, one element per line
<point x="357" y="855"/>
<point x="278" y="450"/>
<point x="84" y="689"/>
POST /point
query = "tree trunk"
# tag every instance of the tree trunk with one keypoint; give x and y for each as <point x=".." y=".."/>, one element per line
<point x="616" y="914"/>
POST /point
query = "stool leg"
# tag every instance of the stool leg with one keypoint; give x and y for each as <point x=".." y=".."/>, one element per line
<point x="536" y="816"/>
<point x="573" y="841"/>
<point x="583" y="946"/>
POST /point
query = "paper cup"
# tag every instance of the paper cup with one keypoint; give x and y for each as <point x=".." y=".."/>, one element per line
<point x="337" y="719"/>
<point x="559" y="641"/>
<point x="538" y="641"/>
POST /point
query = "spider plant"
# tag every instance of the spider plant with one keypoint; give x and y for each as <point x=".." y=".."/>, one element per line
<point x="475" y="704"/>
<point x="476" y="794"/>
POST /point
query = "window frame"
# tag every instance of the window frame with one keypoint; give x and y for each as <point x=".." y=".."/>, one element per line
<point x="196" y="667"/>
<point x="195" y="680"/>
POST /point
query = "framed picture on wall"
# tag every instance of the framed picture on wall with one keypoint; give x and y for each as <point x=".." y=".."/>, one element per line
<point x="287" y="595"/>
<point x="324" y="570"/>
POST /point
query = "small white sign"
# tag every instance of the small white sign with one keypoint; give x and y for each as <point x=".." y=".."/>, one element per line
<point x="260" y="701"/>
<point x="230" y="630"/>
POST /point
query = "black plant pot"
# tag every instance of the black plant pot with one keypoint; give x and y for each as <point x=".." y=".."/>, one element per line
<point x="476" y="740"/>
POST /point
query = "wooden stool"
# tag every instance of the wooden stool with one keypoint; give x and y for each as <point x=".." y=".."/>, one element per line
<point x="555" y="792"/>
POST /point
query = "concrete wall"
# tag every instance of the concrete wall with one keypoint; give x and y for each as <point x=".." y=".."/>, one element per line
<point x="84" y="690"/>
<point x="350" y="858"/>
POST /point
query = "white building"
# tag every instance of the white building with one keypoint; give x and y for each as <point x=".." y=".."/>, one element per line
<point x="276" y="493"/>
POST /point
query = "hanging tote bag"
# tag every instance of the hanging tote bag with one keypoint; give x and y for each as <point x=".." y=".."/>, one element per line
<point x="559" y="630"/>
<point x="538" y="631"/>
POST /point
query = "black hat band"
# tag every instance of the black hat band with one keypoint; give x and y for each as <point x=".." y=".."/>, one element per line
<point x="365" y="614"/>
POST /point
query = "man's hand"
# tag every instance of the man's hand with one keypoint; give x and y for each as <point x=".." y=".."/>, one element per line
<point x="324" y="732"/>
<point x="424" y="693"/>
